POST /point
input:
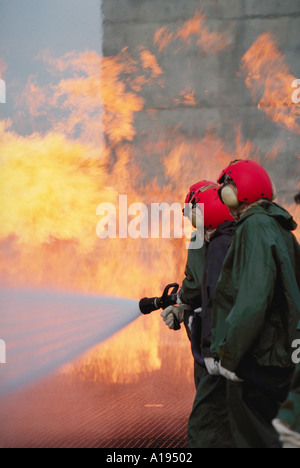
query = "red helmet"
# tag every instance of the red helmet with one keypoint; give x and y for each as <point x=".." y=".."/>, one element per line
<point x="251" y="180"/>
<point x="215" y="212"/>
<point x="194" y="189"/>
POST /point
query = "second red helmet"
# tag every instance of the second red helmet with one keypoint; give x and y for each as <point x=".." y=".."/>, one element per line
<point x="215" y="212"/>
<point x="194" y="189"/>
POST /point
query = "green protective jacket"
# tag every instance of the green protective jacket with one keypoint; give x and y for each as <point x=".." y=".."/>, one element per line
<point x="290" y="410"/>
<point x="190" y="291"/>
<point x="257" y="301"/>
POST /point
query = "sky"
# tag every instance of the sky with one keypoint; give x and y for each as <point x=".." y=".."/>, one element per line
<point x="28" y="27"/>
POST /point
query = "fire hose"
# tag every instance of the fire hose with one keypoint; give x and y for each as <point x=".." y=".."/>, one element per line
<point x="150" y="304"/>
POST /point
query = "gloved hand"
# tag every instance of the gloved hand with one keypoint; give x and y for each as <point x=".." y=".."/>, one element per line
<point x="212" y="366"/>
<point x="289" y="438"/>
<point x="190" y="324"/>
<point x="229" y="375"/>
<point x="169" y="312"/>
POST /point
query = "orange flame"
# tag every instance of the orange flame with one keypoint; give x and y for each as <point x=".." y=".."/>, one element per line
<point x="269" y="79"/>
<point x="53" y="183"/>
<point x="187" y="98"/>
<point x="149" y="62"/>
<point x="94" y="85"/>
<point x="208" y="41"/>
<point x="51" y="186"/>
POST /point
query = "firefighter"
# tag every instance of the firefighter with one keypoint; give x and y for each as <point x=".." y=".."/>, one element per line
<point x="208" y="423"/>
<point x="190" y="292"/>
<point x="189" y="296"/>
<point x="257" y="305"/>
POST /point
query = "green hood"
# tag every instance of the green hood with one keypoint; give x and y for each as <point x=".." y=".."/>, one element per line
<point x="283" y="217"/>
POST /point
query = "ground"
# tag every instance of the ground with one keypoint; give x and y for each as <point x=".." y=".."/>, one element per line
<point x="60" y="412"/>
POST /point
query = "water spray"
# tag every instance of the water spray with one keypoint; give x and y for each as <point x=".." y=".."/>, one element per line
<point x="44" y="330"/>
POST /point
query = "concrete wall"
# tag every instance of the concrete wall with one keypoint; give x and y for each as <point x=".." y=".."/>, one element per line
<point x="223" y="100"/>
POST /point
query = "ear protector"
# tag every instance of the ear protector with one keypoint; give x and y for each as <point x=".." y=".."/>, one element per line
<point x="197" y="218"/>
<point x="229" y="195"/>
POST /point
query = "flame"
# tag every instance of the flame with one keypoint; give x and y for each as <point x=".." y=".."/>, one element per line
<point x="193" y="32"/>
<point x="75" y="106"/>
<point x="51" y="185"/>
<point x="163" y="38"/>
<point x="54" y="180"/>
<point x="149" y="62"/>
<point x="116" y="361"/>
<point x="269" y="79"/>
<point x="187" y="98"/>
<point x="295" y="212"/>
<point x="196" y="156"/>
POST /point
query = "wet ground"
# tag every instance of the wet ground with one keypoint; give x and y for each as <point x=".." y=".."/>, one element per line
<point x="60" y="412"/>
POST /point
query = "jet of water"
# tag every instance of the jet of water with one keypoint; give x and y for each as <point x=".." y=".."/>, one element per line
<point x="43" y="330"/>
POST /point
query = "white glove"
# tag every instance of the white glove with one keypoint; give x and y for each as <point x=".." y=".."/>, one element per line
<point x="229" y="375"/>
<point x="169" y="312"/>
<point x="212" y="366"/>
<point x="289" y="438"/>
<point x="190" y="324"/>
